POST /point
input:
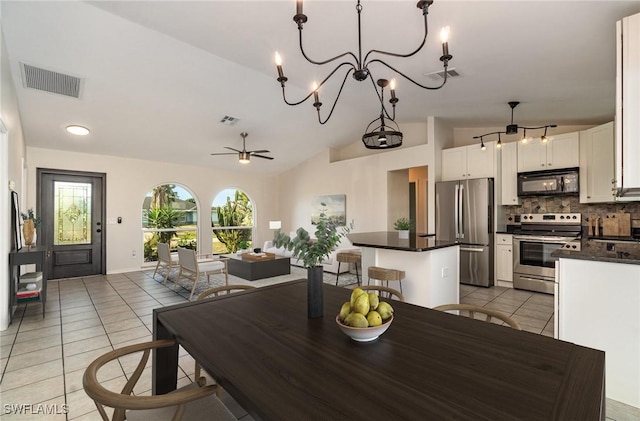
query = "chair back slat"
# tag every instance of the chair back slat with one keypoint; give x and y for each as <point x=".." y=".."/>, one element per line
<point x="164" y="253"/>
<point x="188" y="259"/>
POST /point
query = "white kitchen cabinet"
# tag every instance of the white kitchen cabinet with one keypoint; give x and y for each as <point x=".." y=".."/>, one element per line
<point x="597" y="164"/>
<point x="627" y="169"/>
<point x="504" y="260"/>
<point x="559" y="152"/>
<point x="466" y="162"/>
<point x="509" y="174"/>
<point x="597" y="305"/>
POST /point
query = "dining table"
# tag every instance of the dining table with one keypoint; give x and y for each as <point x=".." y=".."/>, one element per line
<point x="278" y="364"/>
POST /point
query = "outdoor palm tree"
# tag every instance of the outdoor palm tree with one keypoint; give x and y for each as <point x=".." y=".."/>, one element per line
<point x="163" y="196"/>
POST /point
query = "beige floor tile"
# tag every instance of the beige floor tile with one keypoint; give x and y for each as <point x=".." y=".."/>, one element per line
<point x="78" y="335"/>
<point x="31" y="374"/>
<point x="52" y="410"/>
<point x="38" y="322"/>
<point x="85" y="345"/>
<point x="85" y="307"/>
<point x="509" y="299"/>
<point x="530" y="322"/>
<point x="82" y="361"/>
<point x="79" y="316"/>
<point x="508" y="309"/>
<point x="122" y="325"/>
<point x="5" y="350"/>
<point x="104" y="312"/>
<point x="140" y="333"/>
<point x="11" y="330"/>
<point x="38" y="333"/>
<point x="36" y="344"/>
<point x="473" y="301"/>
<point x="37" y="392"/>
<point x="19" y="361"/>
<point x="81" y="324"/>
<point x="540" y="315"/>
<point x="110" y="371"/>
<point x="124" y="315"/>
<point x="149" y="302"/>
<point x="3" y="365"/>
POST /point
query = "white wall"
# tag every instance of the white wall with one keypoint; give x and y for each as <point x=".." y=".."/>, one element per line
<point x="13" y="151"/>
<point x="129" y="180"/>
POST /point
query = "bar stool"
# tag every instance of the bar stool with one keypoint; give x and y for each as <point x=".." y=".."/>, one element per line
<point x="348" y="257"/>
<point x="385" y="275"/>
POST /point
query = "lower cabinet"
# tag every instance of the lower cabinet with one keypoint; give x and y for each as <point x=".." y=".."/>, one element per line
<point x="504" y="260"/>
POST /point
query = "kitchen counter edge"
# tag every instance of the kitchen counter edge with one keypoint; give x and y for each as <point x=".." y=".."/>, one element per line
<point x="389" y="240"/>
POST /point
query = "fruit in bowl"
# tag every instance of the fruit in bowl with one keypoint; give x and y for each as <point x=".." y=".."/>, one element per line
<point x="364" y="317"/>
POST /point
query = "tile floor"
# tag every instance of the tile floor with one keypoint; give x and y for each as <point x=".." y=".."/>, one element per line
<point x="42" y="360"/>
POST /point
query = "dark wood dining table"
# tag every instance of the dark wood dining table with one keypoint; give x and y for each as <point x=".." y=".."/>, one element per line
<point x="429" y="365"/>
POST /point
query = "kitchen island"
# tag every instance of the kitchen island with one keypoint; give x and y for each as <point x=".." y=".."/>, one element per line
<point x="597" y="305"/>
<point x="431" y="266"/>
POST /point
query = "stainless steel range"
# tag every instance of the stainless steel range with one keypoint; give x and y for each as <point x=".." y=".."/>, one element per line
<point x="538" y="236"/>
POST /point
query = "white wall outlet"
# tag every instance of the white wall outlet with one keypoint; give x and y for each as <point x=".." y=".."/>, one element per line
<point x="133" y="253"/>
<point x="445" y="272"/>
<point x="12" y="185"/>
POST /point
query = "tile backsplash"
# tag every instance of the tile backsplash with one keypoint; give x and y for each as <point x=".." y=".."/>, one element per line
<point x="571" y="204"/>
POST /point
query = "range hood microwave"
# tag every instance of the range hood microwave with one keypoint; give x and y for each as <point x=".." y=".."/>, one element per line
<point x="549" y="183"/>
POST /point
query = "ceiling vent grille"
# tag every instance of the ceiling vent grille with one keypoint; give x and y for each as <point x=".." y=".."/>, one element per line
<point x="440" y="75"/>
<point x="49" y="81"/>
<point x="228" y="120"/>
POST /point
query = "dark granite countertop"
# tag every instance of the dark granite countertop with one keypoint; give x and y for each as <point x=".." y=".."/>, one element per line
<point x="390" y="240"/>
<point x="621" y="252"/>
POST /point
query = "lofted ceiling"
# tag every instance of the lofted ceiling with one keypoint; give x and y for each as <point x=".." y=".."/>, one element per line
<point x="159" y="76"/>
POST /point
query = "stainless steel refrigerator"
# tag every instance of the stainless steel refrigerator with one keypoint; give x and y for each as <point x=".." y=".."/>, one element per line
<point x="464" y="213"/>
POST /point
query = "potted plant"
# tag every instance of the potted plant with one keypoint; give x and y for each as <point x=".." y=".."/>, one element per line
<point x="30" y="223"/>
<point x="402" y="225"/>
<point x="312" y="251"/>
<point x="243" y="246"/>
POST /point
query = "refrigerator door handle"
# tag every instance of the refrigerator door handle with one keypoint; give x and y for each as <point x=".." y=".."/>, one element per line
<point x="457" y="211"/>
<point x="461" y="211"/>
<point x="472" y="249"/>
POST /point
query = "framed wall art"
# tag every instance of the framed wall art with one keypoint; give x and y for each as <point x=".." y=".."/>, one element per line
<point x="333" y="205"/>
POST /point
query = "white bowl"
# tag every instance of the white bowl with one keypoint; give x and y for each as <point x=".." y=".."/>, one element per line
<point x="364" y="334"/>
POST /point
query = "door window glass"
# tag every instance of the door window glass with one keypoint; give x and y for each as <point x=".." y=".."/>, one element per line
<point x="231" y="221"/>
<point x="72" y="207"/>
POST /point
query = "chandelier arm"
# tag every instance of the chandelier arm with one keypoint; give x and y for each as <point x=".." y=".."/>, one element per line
<point x="337" y="97"/>
<point x="424" y="40"/>
<point x="535" y="128"/>
<point x="346" y="63"/>
<point x="320" y="63"/>
<point x="488" y="134"/>
<point x="411" y="80"/>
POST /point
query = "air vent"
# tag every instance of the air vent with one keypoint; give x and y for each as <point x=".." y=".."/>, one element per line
<point x="49" y="81"/>
<point x="228" y="120"/>
<point x="440" y="75"/>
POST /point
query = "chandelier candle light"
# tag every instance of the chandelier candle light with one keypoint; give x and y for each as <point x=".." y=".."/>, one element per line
<point x="359" y="69"/>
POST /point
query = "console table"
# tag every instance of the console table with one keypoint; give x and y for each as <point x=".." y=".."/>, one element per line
<point x="27" y="256"/>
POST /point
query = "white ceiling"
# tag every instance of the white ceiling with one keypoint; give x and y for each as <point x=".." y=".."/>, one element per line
<point x="160" y="75"/>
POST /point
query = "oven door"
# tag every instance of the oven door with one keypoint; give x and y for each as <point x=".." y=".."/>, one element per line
<point x="533" y="255"/>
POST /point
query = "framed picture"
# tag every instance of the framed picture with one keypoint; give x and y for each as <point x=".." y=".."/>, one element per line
<point x="16" y="233"/>
<point x="333" y="205"/>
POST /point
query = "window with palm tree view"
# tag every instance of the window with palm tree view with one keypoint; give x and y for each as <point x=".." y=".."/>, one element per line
<point x="169" y="215"/>
<point x="231" y="221"/>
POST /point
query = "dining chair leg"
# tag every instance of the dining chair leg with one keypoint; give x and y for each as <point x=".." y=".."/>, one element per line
<point x="156" y="270"/>
<point x="175" y="282"/>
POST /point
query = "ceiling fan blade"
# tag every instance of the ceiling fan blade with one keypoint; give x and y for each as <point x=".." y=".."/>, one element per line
<point x="233" y="149"/>
<point x="260" y="151"/>
<point x="262" y="156"/>
<point x="224" y="153"/>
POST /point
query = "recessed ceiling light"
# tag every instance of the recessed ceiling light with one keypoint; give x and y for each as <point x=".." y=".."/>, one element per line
<point x="78" y="130"/>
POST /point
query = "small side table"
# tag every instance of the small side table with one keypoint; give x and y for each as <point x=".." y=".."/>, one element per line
<point x="27" y="256"/>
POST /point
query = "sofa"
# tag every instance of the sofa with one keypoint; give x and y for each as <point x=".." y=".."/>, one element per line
<point x="330" y="264"/>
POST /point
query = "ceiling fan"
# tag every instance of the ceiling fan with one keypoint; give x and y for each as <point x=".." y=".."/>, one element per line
<point x="244" y="156"/>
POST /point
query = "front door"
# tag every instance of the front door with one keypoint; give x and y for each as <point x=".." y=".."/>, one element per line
<point x="72" y="206"/>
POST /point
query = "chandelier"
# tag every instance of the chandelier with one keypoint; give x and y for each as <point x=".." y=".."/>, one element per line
<point x="513" y="129"/>
<point x="359" y="68"/>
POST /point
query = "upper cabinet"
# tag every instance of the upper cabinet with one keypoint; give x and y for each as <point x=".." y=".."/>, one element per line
<point x="509" y="174"/>
<point x="627" y="169"/>
<point x="597" y="164"/>
<point x="466" y="162"/>
<point x="559" y="152"/>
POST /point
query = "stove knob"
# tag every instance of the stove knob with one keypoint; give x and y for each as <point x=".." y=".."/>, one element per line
<point x="525" y="217"/>
<point x="575" y="217"/>
<point x="561" y="216"/>
<point x="573" y="246"/>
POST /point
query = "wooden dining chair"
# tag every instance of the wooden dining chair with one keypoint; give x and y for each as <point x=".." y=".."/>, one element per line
<point x="214" y="292"/>
<point x="192" y="268"/>
<point x="192" y="402"/>
<point x="471" y="310"/>
<point x="166" y="261"/>
<point x="384" y="291"/>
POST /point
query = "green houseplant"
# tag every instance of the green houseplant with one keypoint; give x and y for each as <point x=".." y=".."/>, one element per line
<point x="402" y="225"/>
<point x="312" y="251"/>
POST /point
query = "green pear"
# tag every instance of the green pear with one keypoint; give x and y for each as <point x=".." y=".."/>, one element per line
<point x="355" y="294"/>
<point x="361" y="305"/>
<point x="357" y="320"/>
<point x="374" y="318"/>
<point x="385" y="310"/>
<point x="374" y="300"/>
<point x="345" y="310"/>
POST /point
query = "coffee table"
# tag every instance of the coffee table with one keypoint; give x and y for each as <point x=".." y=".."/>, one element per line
<point x="254" y="269"/>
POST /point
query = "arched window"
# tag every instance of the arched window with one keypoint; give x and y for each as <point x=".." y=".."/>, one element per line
<point x="169" y="215"/>
<point x="231" y="221"/>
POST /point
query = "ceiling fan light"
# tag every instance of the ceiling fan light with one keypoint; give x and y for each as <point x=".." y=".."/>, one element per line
<point x="244" y="157"/>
